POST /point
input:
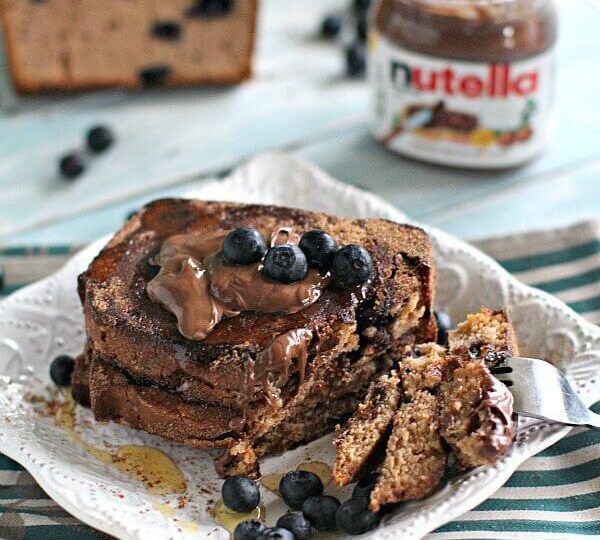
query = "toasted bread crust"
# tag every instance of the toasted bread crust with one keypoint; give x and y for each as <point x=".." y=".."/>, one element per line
<point x="358" y="441"/>
<point x="126" y="327"/>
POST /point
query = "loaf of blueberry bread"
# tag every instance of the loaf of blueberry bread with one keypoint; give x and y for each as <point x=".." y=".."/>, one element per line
<point x="66" y="45"/>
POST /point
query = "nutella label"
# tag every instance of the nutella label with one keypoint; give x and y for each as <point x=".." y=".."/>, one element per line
<point x="470" y="114"/>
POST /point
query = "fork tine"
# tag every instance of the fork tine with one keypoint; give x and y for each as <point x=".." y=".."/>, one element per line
<point x="542" y="391"/>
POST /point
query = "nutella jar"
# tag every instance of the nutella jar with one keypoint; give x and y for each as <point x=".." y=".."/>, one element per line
<point x="467" y="83"/>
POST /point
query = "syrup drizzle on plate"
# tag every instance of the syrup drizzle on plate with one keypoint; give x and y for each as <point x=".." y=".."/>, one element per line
<point x="150" y="466"/>
<point x="229" y="520"/>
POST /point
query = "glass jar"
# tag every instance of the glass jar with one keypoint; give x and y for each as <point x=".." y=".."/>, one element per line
<point x="463" y="82"/>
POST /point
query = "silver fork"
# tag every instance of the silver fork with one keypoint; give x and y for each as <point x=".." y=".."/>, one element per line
<point x="542" y="391"/>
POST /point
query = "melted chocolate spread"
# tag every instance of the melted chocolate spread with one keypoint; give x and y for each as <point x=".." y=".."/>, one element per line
<point x="287" y="349"/>
<point x="200" y="288"/>
<point x="499" y="401"/>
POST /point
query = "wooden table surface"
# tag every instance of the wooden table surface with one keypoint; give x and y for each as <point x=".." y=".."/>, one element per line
<point x="299" y="100"/>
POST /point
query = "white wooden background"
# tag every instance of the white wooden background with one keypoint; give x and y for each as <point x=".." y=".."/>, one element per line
<point x="299" y="100"/>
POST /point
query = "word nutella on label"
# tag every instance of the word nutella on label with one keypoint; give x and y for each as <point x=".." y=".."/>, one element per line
<point x="463" y="82"/>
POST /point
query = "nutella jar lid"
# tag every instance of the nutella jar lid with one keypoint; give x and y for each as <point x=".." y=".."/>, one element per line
<point x="498" y="30"/>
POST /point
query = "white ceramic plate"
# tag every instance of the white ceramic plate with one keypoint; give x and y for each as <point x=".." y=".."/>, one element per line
<point x="44" y="319"/>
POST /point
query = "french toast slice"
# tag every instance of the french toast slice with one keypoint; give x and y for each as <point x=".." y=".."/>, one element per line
<point x="112" y="395"/>
<point x="356" y="334"/>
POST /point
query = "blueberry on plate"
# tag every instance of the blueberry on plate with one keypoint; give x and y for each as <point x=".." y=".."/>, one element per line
<point x="297" y="486"/>
<point x="61" y="369"/>
<point x="285" y="263"/>
<point x="320" y="510"/>
<point x="319" y="248"/>
<point x="297" y="523"/>
<point x="331" y="26"/>
<point x="99" y="138"/>
<point x="276" y="533"/>
<point x="244" y="245"/>
<point x="352" y="266"/>
<point x="356" y="60"/>
<point x="354" y="517"/>
<point x="444" y="324"/>
<point x="240" y="494"/>
<point x="71" y="165"/>
<point x="248" y="530"/>
<point x="2" y="277"/>
<point x="365" y="485"/>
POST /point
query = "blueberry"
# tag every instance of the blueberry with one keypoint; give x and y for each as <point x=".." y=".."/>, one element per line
<point x="297" y="523"/>
<point x="210" y="8"/>
<point x="361" y="28"/>
<point x="276" y="533"/>
<point x="244" y="245"/>
<point x="319" y="248"/>
<point x="365" y="485"/>
<point x="352" y="266"/>
<point x="154" y="75"/>
<point x="285" y="263"/>
<point x="248" y="530"/>
<point x="72" y="165"/>
<point x="99" y="138"/>
<point x="61" y="369"/>
<point x="354" y="517"/>
<point x="444" y="324"/>
<point x="361" y="6"/>
<point x="331" y="26"/>
<point x="167" y="30"/>
<point x="2" y="277"/>
<point x="240" y="494"/>
<point x="356" y="60"/>
<point x="297" y="486"/>
<point x="320" y="510"/>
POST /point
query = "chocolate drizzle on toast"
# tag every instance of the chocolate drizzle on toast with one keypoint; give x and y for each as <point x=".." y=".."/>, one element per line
<point x="200" y="288"/>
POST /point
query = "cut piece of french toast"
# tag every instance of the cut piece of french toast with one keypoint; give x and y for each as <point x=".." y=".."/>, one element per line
<point x="476" y="408"/>
<point x="358" y="441"/>
<point x="415" y="457"/>
<point x="476" y="415"/>
<point x="356" y="335"/>
<point x="486" y="335"/>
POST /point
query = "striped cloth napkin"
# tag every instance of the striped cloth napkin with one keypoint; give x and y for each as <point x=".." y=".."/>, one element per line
<point x="553" y="496"/>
